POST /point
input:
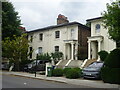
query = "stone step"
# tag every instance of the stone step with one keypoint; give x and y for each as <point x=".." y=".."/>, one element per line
<point x="62" y="64"/>
<point x="75" y="63"/>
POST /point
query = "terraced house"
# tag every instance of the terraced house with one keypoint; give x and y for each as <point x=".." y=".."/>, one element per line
<point x="70" y="38"/>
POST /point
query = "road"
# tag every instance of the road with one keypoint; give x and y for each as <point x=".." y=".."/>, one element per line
<point x="10" y="81"/>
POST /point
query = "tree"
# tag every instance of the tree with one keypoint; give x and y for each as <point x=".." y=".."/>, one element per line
<point x="112" y="21"/>
<point x="10" y="21"/>
<point x="16" y="50"/>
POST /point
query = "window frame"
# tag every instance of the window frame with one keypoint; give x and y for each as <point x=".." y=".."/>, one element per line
<point x="57" y="34"/>
<point x="41" y="36"/>
<point x="56" y="48"/>
<point x="97" y="28"/>
<point x="40" y="50"/>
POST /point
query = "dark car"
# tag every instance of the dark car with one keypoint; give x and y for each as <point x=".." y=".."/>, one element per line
<point x="5" y="66"/>
<point x="93" y="70"/>
<point x="41" y="64"/>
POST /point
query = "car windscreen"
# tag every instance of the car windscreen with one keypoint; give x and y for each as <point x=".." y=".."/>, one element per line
<point x="96" y="65"/>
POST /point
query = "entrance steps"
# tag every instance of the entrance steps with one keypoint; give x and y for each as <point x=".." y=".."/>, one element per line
<point x="69" y="63"/>
<point x="88" y="62"/>
<point x="75" y="63"/>
<point x="61" y="63"/>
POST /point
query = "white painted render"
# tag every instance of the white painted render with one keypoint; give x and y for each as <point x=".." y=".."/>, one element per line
<point x="49" y="40"/>
<point x="101" y="39"/>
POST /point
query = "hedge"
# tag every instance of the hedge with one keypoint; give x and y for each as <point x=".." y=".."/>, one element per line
<point x="73" y="73"/>
<point x="110" y="75"/>
<point x="113" y="59"/>
<point x="103" y="54"/>
<point x="57" y="72"/>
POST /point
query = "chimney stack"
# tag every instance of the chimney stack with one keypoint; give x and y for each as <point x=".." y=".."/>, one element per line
<point x="62" y="19"/>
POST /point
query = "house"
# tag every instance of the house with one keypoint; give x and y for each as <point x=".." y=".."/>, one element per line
<point x="70" y="38"/>
<point x="99" y="40"/>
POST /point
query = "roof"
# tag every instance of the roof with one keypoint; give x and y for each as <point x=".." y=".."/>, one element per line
<point x="93" y="19"/>
<point x="59" y="25"/>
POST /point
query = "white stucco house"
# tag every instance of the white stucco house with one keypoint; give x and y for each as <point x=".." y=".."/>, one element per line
<point x="70" y="38"/>
<point x="99" y="39"/>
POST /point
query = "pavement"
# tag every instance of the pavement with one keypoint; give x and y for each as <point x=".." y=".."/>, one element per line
<point x="80" y="81"/>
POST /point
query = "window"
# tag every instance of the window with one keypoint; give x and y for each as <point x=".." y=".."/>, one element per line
<point x="30" y="52"/>
<point x="31" y="38"/>
<point x="41" y="36"/>
<point x="57" y="34"/>
<point x="97" y="27"/>
<point x="39" y="50"/>
<point x="56" y="48"/>
<point x="72" y="33"/>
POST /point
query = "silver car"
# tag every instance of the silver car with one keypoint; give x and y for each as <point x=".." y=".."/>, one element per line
<point x="93" y="70"/>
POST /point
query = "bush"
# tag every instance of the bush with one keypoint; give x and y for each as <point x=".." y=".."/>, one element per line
<point x="103" y="55"/>
<point x="73" y="73"/>
<point x="110" y="75"/>
<point x="111" y="71"/>
<point x="113" y="59"/>
<point x="65" y="70"/>
<point x="57" y="72"/>
<point x="44" y="56"/>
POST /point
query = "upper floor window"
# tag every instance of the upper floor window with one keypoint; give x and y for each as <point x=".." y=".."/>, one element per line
<point x="97" y="28"/>
<point x="39" y="50"/>
<point x="41" y="36"/>
<point x="31" y="52"/>
<point x="57" y="34"/>
<point x="56" y="48"/>
<point x="31" y="38"/>
<point x="72" y="33"/>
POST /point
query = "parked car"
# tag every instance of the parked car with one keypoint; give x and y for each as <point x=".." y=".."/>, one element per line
<point x="5" y="65"/>
<point x="93" y="70"/>
<point x="31" y="67"/>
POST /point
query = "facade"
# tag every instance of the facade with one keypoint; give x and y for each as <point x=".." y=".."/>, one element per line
<point x="99" y="39"/>
<point x="66" y="37"/>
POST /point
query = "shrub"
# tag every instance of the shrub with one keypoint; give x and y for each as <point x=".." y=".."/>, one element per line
<point x="65" y="70"/>
<point x="73" y="73"/>
<point x="110" y="75"/>
<point x="44" y="56"/>
<point x="113" y="59"/>
<point x="57" y="72"/>
<point x="103" y="55"/>
<point x="111" y="71"/>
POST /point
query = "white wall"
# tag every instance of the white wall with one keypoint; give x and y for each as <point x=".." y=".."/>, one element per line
<point x="107" y="44"/>
<point x="49" y="40"/>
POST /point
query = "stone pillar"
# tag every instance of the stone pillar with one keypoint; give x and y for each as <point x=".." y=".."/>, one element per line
<point x="99" y="49"/>
<point x="89" y="49"/>
<point x="65" y="51"/>
<point x="72" y="51"/>
<point x="99" y="45"/>
<point x="76" y="51"/>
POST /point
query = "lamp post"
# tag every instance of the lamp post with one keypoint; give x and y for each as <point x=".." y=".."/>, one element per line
<point x="36" y="52"/>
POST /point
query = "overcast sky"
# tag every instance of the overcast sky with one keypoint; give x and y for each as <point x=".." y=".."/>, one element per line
<point x="41" y="13"/>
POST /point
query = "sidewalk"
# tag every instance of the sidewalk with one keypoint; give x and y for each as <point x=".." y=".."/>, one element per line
<point x="90" y="83"/>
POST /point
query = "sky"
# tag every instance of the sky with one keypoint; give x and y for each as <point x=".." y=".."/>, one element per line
<point x="36" y="14"/>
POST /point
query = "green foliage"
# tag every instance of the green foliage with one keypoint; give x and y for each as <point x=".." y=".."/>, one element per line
<point x="111" y="71"/>
<point x="16" y="50"/>
<point x="44" y="56"/>
<point x="73" y="73"/>
<point x="10" y="21"/>
<point x="57" y="55"/>
<point x="57" y="72"/>
<point x="110" y="75"/>
<point x="65" y="70"/>
<point x="103" y="55"/>
<point x="113" y="59"/>
<point x="112" y="21"/>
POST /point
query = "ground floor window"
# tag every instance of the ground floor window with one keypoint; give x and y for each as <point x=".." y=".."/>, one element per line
<point x="39" y="50"/>
<point x="56" y="48"/>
